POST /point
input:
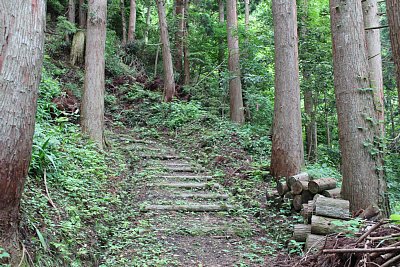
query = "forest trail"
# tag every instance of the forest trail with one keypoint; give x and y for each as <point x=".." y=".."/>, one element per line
<point x="190" y="213"/>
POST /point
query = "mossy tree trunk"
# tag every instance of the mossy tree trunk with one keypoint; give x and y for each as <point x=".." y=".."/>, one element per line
<point x="363" y="181"/>
<point x="373" y="39"/>
<point x="393" y="15"/>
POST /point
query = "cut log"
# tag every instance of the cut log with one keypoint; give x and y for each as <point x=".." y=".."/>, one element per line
<point x="304" y="213"/>
<point x="332" y="193"/>
<point x="325" y="226"/>
<point x="298" y="177"/>
<point x="297" y="202"/>
<point x="306" y="196"/>
<point x="194" y="208"/>
<point x="301" y="231"/>
<point x="334" y="208"/>
<point x="314" y="243"/>
<point x="282" y="187"/>
<point x="298" y="187"/>
<point x="319" y="185"/>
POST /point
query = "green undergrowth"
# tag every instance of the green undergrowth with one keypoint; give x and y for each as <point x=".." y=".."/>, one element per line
<point x="76" y="208"/>
<point x="238" y="156"/>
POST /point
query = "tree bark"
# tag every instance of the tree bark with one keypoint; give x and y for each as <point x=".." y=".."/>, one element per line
<point x="77" y="55"/>
<point x="309" y="107"/>
<point x="282" y="188"/>
<point x="298" y="187"/>
<point x="301" y="231"/>
<point x="123" y="22"/>
<point x="325" y="226"/>
<point x="287" y="143"/>
<point x="180" y="25"/>
<point x="169" y="83"/>
<point x="373" y="39"/>
<point x="363" y="181"/>
<point x="21" y="55"/>
<point x="132" y="21"/>
<point x="333" y="208"/>
<point x="148" y="20"/>
<point x="314" y="243"/>
<point x="82" y="14"/>
<point x="393" y="15"/>
<point x="71" y="11"/>
<point x="246" y="13"/>
<point x="303" y="176"/>
<point x="235" y="84"/>
<point x="221" y="48"/>
<point x="92" y="107"/>
<point x="332" y="193"/>
<point x="311" y="127"/>
<point x="186" y="59"/>
<point x="321" y="184"/>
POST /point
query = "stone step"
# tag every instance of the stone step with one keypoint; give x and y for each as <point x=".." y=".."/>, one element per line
<point x="162" y="157"/>
<point x="185" y="177"/>
<point x="173" y="168"/>
<point x="186" y="185"/>
<point x="195" y="195"/>
<point x="191" y="207"/>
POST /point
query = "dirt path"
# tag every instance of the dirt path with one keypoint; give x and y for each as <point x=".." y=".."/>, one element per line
<point x="193" y="219"/>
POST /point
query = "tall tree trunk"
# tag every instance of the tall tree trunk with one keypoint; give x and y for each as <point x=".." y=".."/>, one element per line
<point x="327" y="125"/>
<point x="287" y="143"/>
<point x="393" y="15"/>
<point x="123" y="21"/>
<point x="71" y="11"/>
<point x="92" y="107"/>
<point x="82" y="14"/>
<point x="221" y="51"/>
<point x="311" y="127"/>
<point x="71" y="16"/>
<point x="148" y="20"/>
<point x="169" y="83"/>
<point x="180" y="25"/>
<point x="21" y="37"/>
<point x="363" y="181"/>
<point x="246" y="13"/>
<point x="373" y="39"/>
<point x="132" y="21"/>
<point x="186" y="58"/>
<point x="235" y="85"/>
<point x="309" y="107"/>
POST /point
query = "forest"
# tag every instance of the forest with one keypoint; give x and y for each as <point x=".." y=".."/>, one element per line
<point x="200" y="133"/>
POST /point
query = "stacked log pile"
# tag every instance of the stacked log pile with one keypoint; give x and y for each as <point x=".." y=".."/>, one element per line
<point x="322" y="216"/>
<point x="300" y="189"/>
